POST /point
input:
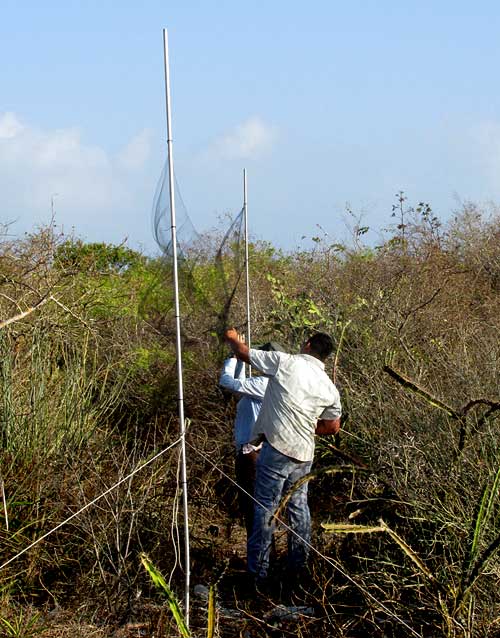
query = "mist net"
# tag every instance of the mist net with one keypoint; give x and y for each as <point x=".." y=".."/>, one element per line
<point x="209" y="269"/>
<point x="187" y="237"/>
<point x="229" y="266"/>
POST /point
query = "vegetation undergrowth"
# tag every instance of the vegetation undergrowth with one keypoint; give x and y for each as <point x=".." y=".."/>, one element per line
<point x="405" y="501"/>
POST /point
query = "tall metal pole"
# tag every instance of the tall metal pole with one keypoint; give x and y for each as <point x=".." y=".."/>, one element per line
<point x="178" y="344"/>
<point x="247" y="276"/>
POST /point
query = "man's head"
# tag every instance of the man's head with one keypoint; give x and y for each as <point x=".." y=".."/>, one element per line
<point x="319" y="345"/>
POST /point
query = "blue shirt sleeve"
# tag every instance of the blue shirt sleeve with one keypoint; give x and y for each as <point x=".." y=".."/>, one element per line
<point x="239" y="372"/>
<point x="254" y="387"/>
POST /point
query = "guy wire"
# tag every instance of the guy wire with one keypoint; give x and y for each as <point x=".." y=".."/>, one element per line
<point x="90" y="503"/>
<point x="329" y="560"/>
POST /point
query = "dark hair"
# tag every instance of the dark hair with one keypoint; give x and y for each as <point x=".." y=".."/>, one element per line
<point x="321" y="345"/>
<point x="271" y="346"/>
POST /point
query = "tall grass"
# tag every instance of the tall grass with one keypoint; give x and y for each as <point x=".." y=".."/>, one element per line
<point x="54" y="399"/>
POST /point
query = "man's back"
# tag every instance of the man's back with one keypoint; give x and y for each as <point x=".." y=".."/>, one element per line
<point x="299" y="393"/>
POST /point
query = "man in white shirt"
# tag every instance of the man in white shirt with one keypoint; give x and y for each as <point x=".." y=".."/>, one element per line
<point x="300" y="401"/>
<point x="251" y="391"/>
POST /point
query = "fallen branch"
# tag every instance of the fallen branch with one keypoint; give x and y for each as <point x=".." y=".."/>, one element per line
<point x="42" y="302"/>
<point x="24" y="314"/>
<point x="410" y="385"/>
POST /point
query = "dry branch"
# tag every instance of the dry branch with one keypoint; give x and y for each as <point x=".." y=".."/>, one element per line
<point x="24" y="314"/>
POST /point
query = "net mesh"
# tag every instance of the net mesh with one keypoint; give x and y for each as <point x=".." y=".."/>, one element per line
<point x="187" y="237"/>
<point x="229" y="266"/>
<point x="209" y="270"/>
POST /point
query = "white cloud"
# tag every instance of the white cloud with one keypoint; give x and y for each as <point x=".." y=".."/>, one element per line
<point x="137" y="151"/>
<point x="10" y="126"/>
<point x="248" y="140"/>
<point x="96" y="189"/>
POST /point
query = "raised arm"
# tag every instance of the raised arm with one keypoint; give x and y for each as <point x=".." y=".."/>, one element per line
<point x="240" y="349"/>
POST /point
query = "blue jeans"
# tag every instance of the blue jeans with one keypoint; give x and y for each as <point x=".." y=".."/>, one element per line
<point x="276" y="473"/>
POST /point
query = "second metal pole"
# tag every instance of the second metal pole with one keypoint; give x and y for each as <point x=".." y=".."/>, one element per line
<point x="247" y="275"/>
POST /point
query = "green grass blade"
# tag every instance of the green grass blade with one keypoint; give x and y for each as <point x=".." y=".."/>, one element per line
<point x="493" y="495"/>
<point x="480" y="563"/>
<point x="161" y="583"/>
<point x="477" y="523"/>
<point x="473" y="561"/>
<point x="10" y="629"/>
<point x="211" y="612"/>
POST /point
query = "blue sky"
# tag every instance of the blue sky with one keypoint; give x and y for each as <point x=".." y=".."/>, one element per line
<point x="327" y="105"/>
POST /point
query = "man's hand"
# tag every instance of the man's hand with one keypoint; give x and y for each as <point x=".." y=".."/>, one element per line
<point x="328" y="426"/>
<point x="237" y="345"/>
<point x="231" y="335"/>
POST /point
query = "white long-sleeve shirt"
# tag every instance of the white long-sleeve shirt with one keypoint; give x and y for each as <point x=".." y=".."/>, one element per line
<point x="299" y="393"/>
<point x="251" y="390"/>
